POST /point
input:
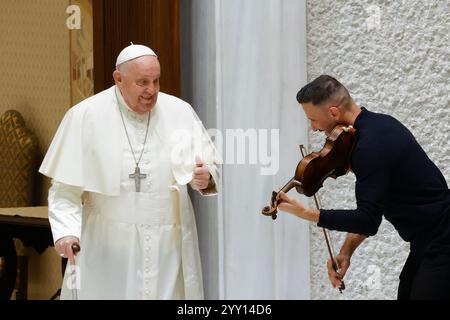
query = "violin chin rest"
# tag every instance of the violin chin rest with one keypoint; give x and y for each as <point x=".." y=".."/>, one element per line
<point x="299" y="189"/>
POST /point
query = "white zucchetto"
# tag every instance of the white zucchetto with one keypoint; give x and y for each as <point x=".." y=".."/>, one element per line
<point x="134" y="51"/>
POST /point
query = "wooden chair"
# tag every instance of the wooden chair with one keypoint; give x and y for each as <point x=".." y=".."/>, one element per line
<point x="18" y="173"/>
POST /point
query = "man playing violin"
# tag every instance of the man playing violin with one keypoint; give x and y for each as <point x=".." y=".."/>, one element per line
<point x="404" y="186"/>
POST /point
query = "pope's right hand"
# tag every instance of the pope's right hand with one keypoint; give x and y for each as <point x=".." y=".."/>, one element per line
<point x="336" y="278"/>
<point x="64" y="247"/>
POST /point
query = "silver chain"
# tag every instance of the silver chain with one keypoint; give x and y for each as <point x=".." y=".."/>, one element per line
<point x="128" y="137"/>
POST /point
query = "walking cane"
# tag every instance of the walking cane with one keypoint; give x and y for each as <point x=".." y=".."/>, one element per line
<point x="75" y="249"/>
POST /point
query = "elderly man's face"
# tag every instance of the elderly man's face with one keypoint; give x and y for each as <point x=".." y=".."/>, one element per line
<point x="138" y="81"/>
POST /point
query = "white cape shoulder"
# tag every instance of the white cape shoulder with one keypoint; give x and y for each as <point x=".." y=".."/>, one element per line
<point x="186" y="137"/>
<point x="84" y="149"/>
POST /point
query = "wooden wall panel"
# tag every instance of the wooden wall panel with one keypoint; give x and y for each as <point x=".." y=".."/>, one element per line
<point x="154" y="23"/>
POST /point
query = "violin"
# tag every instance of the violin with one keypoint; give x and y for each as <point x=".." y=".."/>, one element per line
<point x="311" y="172"/>
<point x="332" y="161"/>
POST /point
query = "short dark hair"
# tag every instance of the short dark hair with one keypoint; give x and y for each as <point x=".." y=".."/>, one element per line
<point x="323" y="89"/>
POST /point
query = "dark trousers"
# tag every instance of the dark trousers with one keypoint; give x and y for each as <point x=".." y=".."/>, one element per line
<point x="425" y="278"/>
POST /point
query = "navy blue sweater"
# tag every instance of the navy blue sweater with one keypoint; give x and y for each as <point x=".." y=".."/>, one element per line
<point x="394" y="178"/>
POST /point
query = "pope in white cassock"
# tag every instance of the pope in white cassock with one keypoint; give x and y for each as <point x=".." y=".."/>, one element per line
<point x="120" y="163"/>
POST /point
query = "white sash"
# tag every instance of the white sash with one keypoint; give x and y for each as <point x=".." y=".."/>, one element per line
<point x="137" y="208"/>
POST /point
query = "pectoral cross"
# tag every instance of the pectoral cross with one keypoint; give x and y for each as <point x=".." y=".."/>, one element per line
<point x="137" y="176"/>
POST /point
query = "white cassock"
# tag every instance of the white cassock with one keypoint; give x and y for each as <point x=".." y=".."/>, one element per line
<point x="134" y="245"/>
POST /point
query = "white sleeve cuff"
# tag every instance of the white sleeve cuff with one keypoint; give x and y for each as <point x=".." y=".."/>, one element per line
<point x="64" y="210"/>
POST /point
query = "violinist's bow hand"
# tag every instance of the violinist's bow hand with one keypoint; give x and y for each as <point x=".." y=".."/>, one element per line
<point x="337" y="277"/>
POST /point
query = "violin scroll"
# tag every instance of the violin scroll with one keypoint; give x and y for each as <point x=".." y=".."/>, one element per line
<point x="272" y="210"/>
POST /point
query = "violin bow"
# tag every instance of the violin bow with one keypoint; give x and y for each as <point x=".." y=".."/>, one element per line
<point x="326" y="233"/>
